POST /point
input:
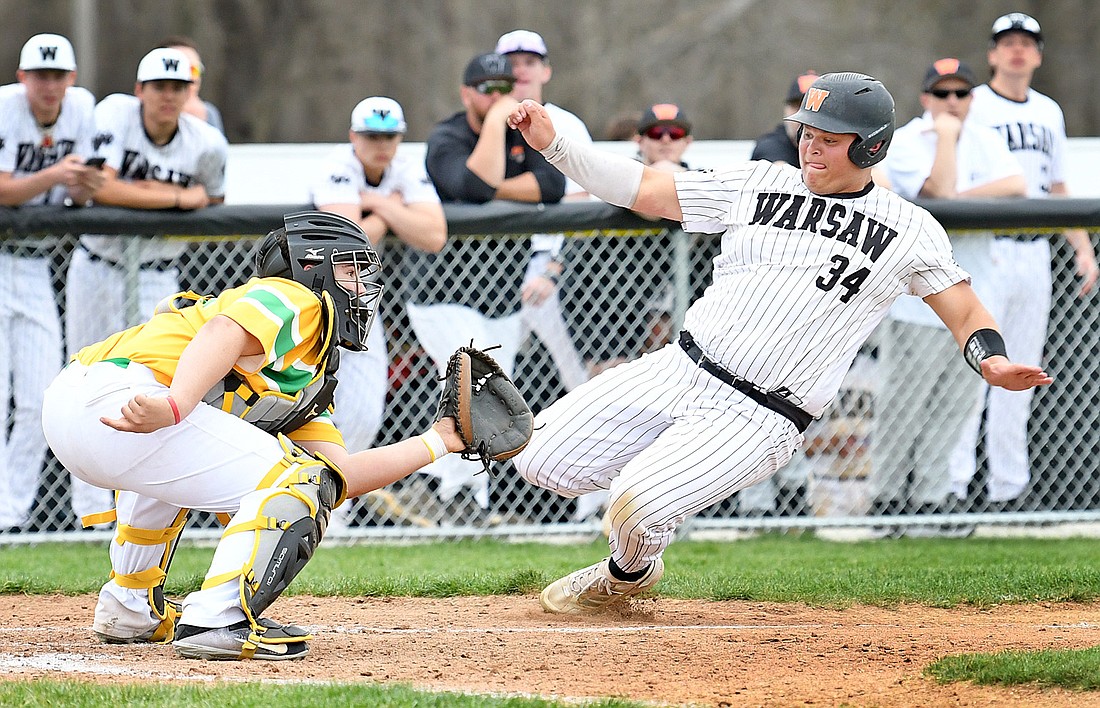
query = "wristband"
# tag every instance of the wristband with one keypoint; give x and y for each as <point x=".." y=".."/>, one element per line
<point x="175" y="409"/>
<point x="432" y="440"/>
<point x="981" y="345"/>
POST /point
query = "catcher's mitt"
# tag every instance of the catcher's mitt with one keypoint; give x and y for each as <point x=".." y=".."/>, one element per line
<point x="490" y="414"/>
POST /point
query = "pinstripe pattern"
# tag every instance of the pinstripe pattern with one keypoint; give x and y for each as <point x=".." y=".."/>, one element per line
<point x="801" y="281"/>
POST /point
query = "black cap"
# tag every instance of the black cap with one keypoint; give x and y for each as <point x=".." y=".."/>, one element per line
<point x="663" y="114"/>
<point x="799" y="86"/>
<point x="1017" y="22"/>
<point x="484" y="67"/>
<point x="947" y="68"/>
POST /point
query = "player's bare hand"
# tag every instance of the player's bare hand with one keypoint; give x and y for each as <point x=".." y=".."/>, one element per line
<point x="143" y="414"/>
<point x="194" y="198"/>
<point x="1087" y="270"/>
<point x="531" y="119"/>
<point x="537" y="289"/>
<point x="947" y="126"/>
<point x="999" y="371"/>
<point x="69" y="170"/>
<point x="91" y="178"/>
<point x="446" y="428"/>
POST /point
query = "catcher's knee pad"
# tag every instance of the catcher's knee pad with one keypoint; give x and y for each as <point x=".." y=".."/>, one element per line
<point x="287" y="516"/>
<point x="153" y="579"/>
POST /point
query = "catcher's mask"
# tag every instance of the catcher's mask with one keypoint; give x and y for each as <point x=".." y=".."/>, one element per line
<point x="327" y="253"/>
<point x="851" y="103"/>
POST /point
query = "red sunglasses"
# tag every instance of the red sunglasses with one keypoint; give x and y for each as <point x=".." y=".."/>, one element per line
<point x="674" y="132"/>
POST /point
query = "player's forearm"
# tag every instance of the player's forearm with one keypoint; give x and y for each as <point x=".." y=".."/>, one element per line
<point x="488" y="160"/>
<point x="372" y="469"/>
<point x="143" y="194"/>
<point x="421" y="226"/>
<point x="1012" y="186"/>
<point x="207" y="359"/>
<point x="521" y="188"/>
<point x="15" y="191"/>
<point x="942" y="179"/>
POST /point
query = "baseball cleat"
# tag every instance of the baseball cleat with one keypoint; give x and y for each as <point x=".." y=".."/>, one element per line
<point x="238" y="641"/>
<point x="116" y="624"/>
<point x="593" y="588"/>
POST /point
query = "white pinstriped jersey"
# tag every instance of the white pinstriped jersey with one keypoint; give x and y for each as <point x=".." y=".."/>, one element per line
<point x="26" y="148"/>
<point x="196" y="154"/>
<point x="802" y="280"/>
<point x="1034" y="130"/>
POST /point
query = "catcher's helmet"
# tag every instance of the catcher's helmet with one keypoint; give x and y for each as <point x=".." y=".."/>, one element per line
<point x="310" y="249"/>
<point x="851" y="103"/>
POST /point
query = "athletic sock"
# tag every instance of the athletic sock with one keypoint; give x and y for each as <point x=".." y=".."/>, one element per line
<point x="620" y="574"/>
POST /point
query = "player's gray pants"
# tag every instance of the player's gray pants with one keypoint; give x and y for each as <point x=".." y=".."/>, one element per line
<point x="925" y="392"/>
<point x="668" y="440"/>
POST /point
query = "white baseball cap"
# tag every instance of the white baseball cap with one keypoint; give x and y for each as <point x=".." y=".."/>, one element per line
<point x="165" y="65"/>
<point x="47" y="51"/>
<point x="378" y="114"/>
<point x="521" y="41"/>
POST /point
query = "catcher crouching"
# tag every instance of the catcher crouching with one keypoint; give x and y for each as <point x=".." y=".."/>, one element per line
<point x="223" y="404"/>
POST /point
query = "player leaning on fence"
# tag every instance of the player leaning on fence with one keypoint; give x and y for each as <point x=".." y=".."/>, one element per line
<point x="811" y="260"/>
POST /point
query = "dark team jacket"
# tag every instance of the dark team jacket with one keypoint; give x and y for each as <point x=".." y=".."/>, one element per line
<point x="775" y="146"/>
<point x="485" y="274"/>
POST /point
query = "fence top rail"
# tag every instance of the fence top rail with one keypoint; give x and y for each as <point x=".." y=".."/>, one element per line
<point x="500" y="217"/>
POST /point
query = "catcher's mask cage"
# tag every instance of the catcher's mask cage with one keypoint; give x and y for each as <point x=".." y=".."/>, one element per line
<point x="851" y="103"/>
<point x="328" y="253"/>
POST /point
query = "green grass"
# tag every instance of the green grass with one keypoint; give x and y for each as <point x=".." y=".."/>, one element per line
<point x="774" y="568"/>
<point x="1071" y="669"/>
<point x="74" y="694"/>
<point x="771" y="568"/>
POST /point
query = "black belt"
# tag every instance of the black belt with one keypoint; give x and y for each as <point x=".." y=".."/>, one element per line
<point x="796" y="415"/>
<point x="160" y="264"/>
<point x="1023" y="237"/>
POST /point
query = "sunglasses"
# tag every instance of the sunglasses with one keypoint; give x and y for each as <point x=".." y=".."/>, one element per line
<point x="493" y="86"/>
<point x="944" y="93"/>
<point x="674" y="132"/>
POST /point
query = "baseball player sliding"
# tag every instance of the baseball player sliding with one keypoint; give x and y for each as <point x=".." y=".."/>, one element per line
<point x="811" y="260"/>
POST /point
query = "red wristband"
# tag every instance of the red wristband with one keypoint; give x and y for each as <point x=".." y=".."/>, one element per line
<point x="175" y="409"/>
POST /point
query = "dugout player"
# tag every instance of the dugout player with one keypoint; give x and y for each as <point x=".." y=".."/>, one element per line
<point x="46" y="131"/>
<point x="1033" y="127"/>
<point x="157" y="157"/>
<point x="222" y="404"/>
<point x="811" y="260"/>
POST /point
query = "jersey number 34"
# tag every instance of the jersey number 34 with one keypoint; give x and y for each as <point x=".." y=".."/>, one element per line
<point x="851" y="283"/>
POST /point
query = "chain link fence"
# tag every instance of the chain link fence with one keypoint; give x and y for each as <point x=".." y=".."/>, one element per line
<point x="622" y="293"/>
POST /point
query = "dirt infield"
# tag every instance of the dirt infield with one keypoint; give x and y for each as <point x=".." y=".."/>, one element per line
<point x="666" y="651"/>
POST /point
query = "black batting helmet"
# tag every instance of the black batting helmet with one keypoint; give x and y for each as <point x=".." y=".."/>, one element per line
<point x="851" y="103"/>
<point x="305" y="250"/>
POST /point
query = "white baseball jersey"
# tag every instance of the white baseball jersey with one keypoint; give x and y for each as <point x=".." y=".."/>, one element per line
<point x="361" y="395"/>
<point x="1034" y="130"/>
<point x="195" y="155"/>
<point x="981" y="157"/>
<point x="25" y="147"/>
<point x="802" y="280"/>
<point x="341" y="179"/>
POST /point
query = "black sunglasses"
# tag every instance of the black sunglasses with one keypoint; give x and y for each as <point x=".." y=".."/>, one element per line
<point x="944" y="93"/>
<point x="494" y="86"/>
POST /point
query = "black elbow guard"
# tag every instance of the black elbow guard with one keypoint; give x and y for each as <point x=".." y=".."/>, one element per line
<point x="983" y="344"/>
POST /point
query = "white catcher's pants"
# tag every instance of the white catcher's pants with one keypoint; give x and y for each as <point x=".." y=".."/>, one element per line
<point x="207" y="462"/>
<point x="668" y="440"/>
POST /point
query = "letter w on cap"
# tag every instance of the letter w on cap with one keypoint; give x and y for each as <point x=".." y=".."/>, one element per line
<point x="171" y="64"/>
<point x="48" y="53"/>
<point x="814" y="98"/>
